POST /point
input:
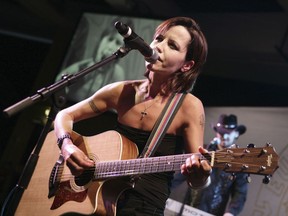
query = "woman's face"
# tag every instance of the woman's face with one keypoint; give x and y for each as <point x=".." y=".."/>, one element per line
<point x="172" y="49"/>
<point x="109" y="45"/>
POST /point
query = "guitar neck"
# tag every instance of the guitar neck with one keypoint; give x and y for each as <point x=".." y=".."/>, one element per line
<point x="259" y="161"/>
<point x="140" y="166"/>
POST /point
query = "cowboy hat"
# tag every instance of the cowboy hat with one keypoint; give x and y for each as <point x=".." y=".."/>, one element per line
<point x="228" y="123"/>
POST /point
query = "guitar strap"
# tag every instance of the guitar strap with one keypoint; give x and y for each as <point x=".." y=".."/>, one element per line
<point x="162" y="123"/>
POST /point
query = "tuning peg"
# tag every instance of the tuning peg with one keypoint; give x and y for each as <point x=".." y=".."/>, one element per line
<point x="245" y="167"/>
<point x="229" y="151"/>
<point x="266" y="179"/>
<point x="227" y="165"/>
<point x="251" y="145"/>
<point x="248" y="178"/>
<point x="268" y="144"/>
<point x="263" y="151"/>
<point x="246" y="151"/>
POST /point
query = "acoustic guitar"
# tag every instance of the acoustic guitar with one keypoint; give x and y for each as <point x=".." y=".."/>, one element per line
<point x="53" y="190"/>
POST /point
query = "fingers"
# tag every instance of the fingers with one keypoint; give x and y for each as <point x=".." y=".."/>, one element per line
<point x="202" y="150"/>
<point x="204" y="163"/>
<point x="206" y="167"/>
<point x="81" y="159"/>
<point x="193" y="165"/>
<point x="77" y="163"/>
<point x="196" y="171"/>
<point x="76" y="160"/>
<point x="75" y="154"/>
<point x="74" y="168"/>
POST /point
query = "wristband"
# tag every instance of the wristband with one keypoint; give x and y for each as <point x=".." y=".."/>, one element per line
<point x="61" y="139"/>
<point x="207" y="183"/>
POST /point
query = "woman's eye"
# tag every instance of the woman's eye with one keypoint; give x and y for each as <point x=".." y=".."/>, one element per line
<point x="173" y="46"/>
<point x="159" y="38"/>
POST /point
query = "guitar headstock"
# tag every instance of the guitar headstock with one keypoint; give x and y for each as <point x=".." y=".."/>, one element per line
<point x="259" y="161"/>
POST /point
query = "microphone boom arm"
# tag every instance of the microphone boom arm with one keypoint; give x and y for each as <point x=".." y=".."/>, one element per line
<point x="67" y="80"/>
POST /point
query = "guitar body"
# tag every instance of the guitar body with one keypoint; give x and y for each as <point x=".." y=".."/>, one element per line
<point x="91" y="198"/>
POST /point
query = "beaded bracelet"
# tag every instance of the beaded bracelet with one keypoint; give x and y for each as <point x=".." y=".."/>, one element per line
<point x="61" y="139"/>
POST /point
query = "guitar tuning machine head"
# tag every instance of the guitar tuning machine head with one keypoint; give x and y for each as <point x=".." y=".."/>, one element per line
<point x="263" y="151"/>
<point x="262" y="168"/>
<point x="268" y="144"/>
<point x="266" y="179"/>
<point x="251" y="145"/>
<point x="246" y="151"/>
<point x="228" y="165"/>
<point x="229" y="151"/>
<point x="245" y="167"/>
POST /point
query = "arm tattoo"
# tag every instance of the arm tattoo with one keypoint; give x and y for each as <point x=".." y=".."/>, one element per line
<point x="94" y="107"/>
<point x="202" y="120"/>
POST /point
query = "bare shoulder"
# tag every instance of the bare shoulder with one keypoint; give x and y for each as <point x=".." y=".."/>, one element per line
<point x="192" y="108"/>
<point x="192" y="103"/>
<point x="116" y="86"/>
<point x="113" y="92"/>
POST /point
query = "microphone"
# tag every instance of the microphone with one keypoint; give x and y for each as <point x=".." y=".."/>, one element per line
<point x="215" y="141"/>
<point x="136" y="42"/>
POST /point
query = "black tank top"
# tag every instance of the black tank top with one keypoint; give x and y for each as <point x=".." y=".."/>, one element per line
<point x="153" y="188"/>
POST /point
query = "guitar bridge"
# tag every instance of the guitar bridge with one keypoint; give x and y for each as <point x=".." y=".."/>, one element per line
<point x="53" y="180"/>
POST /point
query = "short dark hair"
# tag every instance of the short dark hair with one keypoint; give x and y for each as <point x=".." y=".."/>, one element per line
<point x="197" y="51"/>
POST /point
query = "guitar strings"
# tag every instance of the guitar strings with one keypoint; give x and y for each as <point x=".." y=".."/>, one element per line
<point x="106" y="167"/>
<point x="137" y="168"/>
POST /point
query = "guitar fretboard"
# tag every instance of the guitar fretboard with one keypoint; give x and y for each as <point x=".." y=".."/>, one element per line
<point x="140" y="166"/>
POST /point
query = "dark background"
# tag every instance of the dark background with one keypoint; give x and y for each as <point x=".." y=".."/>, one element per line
<point x="247" y="61"/>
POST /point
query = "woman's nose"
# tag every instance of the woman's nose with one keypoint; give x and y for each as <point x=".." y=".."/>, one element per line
<point x="159" y="47"/>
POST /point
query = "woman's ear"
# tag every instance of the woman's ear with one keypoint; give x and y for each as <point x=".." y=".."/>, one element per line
<point x="187" y="66"/>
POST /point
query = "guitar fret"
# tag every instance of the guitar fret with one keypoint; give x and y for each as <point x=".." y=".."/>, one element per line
<point x="155" y="164"/>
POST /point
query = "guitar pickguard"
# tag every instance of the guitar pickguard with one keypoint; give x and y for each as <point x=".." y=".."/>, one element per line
<point x="65" y="193"/>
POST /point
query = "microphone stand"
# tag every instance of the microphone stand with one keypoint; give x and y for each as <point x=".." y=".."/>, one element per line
<point x="16" y="193"/>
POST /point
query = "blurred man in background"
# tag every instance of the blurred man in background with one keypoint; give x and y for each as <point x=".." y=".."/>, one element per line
<point x="227" y="193"/>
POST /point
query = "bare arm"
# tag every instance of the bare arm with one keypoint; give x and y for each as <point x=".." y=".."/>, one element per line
<point x="100" y="102"/>
<point x="197" y="171"/>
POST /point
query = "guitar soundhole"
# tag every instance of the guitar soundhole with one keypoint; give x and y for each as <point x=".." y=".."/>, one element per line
<point x="85" y="177"/>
